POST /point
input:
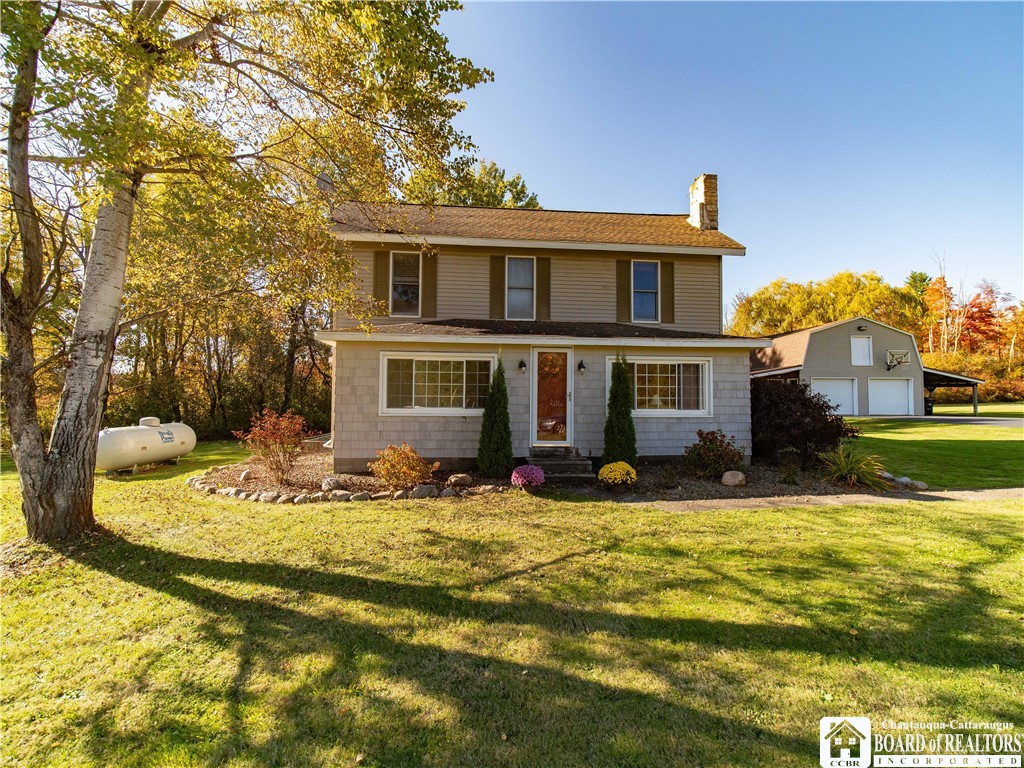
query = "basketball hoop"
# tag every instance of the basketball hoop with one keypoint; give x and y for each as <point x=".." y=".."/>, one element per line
<point x="894" y="357"/>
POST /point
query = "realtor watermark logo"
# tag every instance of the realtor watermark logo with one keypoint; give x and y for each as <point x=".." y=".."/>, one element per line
<point x="848" y="742"/>
<point x="845" y="742"/>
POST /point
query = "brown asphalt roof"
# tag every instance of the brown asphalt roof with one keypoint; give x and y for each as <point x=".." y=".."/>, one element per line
<point x="536" y="328"/>
<point x="650" y="229"/>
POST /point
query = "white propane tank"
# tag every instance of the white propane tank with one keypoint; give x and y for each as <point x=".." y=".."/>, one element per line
<point x="150" y="442"/>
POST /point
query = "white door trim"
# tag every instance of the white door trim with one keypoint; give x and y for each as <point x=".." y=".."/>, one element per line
<point x="534" y="442"/>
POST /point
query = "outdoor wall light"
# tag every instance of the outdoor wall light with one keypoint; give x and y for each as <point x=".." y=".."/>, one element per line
<point x="522" y="366"/>
<point x="862" y="327"/>
<point x="582" y="367"/>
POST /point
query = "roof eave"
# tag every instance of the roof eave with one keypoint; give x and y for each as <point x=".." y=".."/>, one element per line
<point x="538" y="339"/>
<point x="774" y="371"/>
<point x="952" y="375"/>
<point x="386" y="238"/>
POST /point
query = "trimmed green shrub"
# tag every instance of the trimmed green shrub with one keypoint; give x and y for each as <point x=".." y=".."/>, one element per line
<point x="852" y="468"/>
<point x="787" y="414"/>
<point x="619" y="429"/>
<point x="494" y="451"/>
<point x="713" y="454"/>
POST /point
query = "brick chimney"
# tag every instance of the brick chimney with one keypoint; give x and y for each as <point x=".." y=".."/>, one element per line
<point x="704" y="201"/>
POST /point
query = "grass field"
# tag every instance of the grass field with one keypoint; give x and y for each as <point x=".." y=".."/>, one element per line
<point x="993" y="410"/>
<point x="947" y="455"/>
<point x="500" y="631"/>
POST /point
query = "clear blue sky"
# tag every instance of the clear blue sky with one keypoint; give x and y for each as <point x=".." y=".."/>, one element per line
<point x="845" y="136"/>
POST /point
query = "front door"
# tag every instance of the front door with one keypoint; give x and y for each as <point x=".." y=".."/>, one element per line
<point x="552" y="397"/>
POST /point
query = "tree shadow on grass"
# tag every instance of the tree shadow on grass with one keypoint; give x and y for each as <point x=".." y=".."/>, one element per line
<point x="452" y="705"/>
<point x="504" y="713"/>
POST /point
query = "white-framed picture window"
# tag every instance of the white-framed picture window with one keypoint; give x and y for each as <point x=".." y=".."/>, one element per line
<point x="645" y="281"/>
<point x="668" y="386"/>
<point x="860" y="350"/>
<point x="404" y="280"/>
<point x="520" y="291"/>
<point x="434" y="384"/>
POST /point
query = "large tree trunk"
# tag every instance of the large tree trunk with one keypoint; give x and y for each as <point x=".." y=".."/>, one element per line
<point x="57" y="487"/>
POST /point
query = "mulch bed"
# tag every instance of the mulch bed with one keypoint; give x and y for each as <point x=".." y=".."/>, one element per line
<point x="667" y="483"/>
<point x="305" y="477"/>
<point x="309" y="470"/>
<point x="670" y="484"/>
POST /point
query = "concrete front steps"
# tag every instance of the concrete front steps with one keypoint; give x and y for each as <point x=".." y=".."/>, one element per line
<point x="564" y="469"/>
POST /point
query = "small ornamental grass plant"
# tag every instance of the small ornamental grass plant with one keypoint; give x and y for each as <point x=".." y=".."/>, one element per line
<point x="852" y="468"/>
<point x="527" y="475"/>
<point x="617" y="473"/>
<point x="276" y="438"/>
<point x="713" y="454"/>
<point x="401" y="467"/>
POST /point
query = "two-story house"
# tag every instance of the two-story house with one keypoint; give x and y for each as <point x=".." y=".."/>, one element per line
<point x="555" y="295"/>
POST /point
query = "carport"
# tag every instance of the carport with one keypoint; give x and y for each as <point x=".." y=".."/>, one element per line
<point x="933" y="379"/>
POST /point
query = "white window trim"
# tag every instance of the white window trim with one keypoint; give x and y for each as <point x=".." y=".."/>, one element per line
<point x="533" y="316"/>
<point x="391" y="283"/>
<point x="382" y="403"/>
<point x="648" y="413"/>
<point x="657" y="291"/>
<point x="871" y="353"/>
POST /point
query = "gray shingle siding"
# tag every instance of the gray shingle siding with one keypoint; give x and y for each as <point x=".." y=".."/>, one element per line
<point x="360" y="431"/>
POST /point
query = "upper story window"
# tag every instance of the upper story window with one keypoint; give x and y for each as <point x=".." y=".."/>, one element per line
<point x="405" y="284"/>
<point x="645" y="291"/>
<point x="860" y="350"/>
<point x="519" y="281"/>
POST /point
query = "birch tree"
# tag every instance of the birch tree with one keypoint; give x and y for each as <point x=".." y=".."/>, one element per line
<point x="107" y="98"/>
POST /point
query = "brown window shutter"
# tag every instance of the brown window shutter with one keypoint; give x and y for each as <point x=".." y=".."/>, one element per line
<point x="543" y="288"/>
<point x="623" y="301"/>
<point x="428" y="286"/>
<point x="668" y="291"/>
<point x="381" y="274"/>
<point x="497" y="287"/>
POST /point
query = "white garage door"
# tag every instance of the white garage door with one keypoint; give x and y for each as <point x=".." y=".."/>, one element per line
<point x="889" y="397"/>
<point x="840" y="392"/>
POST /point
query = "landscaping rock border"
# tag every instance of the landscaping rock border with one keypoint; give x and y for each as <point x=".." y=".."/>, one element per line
<point x="456" y="487"/>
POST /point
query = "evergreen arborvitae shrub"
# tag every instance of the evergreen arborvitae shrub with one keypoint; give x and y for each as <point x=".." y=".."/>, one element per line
<point x="619" y="430"/>
<point x="789" y="423"/>
<point x="494" y="452"/>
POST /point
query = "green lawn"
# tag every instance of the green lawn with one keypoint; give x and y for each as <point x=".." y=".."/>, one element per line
<point x="500" y="631"/>
<point x="947" y="455"/>
<point x="995" y="410"/>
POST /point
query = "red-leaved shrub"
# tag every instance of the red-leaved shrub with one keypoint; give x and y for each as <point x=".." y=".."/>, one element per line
<point x="400" y="467"/>
<point x="713" y="454"/>
<point x="276" y="438"/>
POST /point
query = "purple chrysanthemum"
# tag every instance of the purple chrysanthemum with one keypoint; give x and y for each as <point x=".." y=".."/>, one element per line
<point x="527" y="474"/>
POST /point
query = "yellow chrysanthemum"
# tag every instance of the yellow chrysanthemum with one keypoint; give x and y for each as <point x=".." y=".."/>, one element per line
<point x="618" y="472"/>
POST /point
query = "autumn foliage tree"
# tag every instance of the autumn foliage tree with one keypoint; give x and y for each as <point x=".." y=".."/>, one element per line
<point x="254" y="99"/>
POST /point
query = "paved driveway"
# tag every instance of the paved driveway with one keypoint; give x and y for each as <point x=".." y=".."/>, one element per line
<point x="984" y="421"/>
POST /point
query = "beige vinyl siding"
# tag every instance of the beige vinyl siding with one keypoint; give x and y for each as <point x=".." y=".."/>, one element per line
<point x="828" y="355"/>
<point x="582" y="286"/>
<point x="699" y="294"/>
<point x="463" y="286"/>
<point x="359" y="431"/>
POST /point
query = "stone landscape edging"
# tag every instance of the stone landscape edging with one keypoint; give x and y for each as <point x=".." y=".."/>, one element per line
<point x="201" y="484"/>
